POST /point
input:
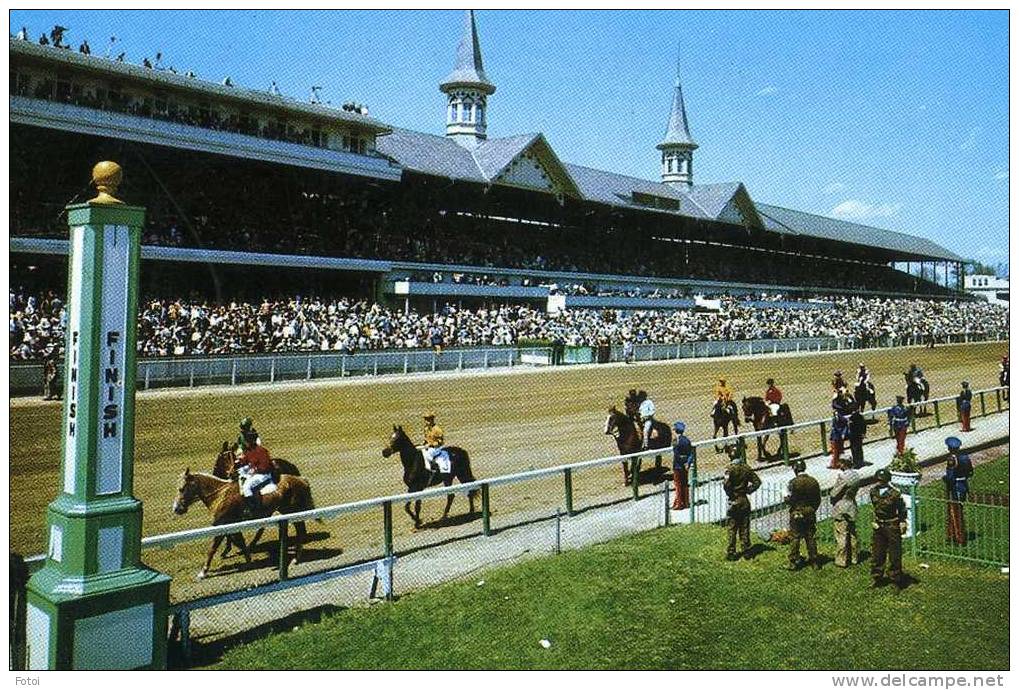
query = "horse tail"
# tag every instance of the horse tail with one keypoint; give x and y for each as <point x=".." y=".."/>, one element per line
<point x="466" y="474"/>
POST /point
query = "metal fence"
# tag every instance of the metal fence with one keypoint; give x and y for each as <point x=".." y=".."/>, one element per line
<point x="179" y="372"/>
<point x="975" y="530"/>
<point x="376" y="558"/>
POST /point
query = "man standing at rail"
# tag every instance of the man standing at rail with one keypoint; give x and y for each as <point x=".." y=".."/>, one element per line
<point x="804" y="499"/>
<point x="964" y="403"/>
<point x="683" y="457"/>
<point x="898" y="423"/>
<point x="740" y="481"/>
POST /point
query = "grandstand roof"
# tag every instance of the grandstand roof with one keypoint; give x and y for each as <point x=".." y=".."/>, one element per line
<point x="787" y="220"/>
<point x="166" y="79"/>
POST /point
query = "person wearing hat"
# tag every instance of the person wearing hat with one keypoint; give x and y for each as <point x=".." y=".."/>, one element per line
<point x="889" y="523"/>
<point x="957" y="473"/>
<point x="773" y="397"/>
<point x="435" y="439"/>
<point x="964" y="403"/>
<point x="898" y="423"/>
<point x="804" y="499"/>
<point x="740" y="481"/>
<point x="683" y="457"/>
<point x="247" y="433"/>
<point x="843" y="512"/>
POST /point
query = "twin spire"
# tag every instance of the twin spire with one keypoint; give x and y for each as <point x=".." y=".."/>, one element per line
<point x="467" y="89"/>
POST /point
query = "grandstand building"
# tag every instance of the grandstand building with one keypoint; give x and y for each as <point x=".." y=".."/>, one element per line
<point x="249" y="192"/>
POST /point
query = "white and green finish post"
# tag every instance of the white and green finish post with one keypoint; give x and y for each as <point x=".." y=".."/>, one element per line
<point x="94" y="605"/>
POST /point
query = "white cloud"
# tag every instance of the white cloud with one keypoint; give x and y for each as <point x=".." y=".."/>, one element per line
<point x="834" y="188"/>
<point x="854" y="209"/>
<point x="970" y="140"/>
<point x="767" y="90"/>
<point x="1001" y="175"/>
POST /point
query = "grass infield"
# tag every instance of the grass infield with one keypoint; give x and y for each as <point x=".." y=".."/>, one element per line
<point x="666" y="599"/>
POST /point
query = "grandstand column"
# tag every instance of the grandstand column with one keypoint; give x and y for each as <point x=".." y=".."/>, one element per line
<point x="94" y="605"/>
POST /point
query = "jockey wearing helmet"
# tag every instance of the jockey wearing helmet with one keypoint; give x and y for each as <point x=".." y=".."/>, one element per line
<point x="723" y="397"/>
<point x="838" y="384"/>
<point x="254" y="468"/>
<point x="647" y="418"/>
<point x="248" y="432"/>
<point x="863" y="376"/>
<point x="436" y="458"/>
<point x="773" y="397"/>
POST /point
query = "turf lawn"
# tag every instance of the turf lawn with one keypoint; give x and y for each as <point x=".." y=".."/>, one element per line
<point x="664" y="599"/>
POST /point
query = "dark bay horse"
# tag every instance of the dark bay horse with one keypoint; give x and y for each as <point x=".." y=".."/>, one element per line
<point x="223" y="499"/>
<point x="225" y="468"/>
<point x="418" y="478"/>
<point x="918" y="390"/>
<point x="722" y="416"/>
<point x="757" y="412"/>
<point x="629" y="438"/>
<point x="864" y="394"/>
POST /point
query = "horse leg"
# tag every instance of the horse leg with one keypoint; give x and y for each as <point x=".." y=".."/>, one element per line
<point x="208" y="557"/>
<point x="417" y="513"/>
<point x="406" y="507"/>
<point x="626" y="474"/>
<point x="299" y="544"/>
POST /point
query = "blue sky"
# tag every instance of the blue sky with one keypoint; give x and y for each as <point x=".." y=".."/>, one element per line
<point x="895" y="119"/>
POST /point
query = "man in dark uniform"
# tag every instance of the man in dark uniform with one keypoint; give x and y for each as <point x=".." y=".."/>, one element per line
<point x="857" y="430"/>
<point x="804" y="499"/>
<point x="958" y="471"/>
<point x="898" y="423"/>
<point x="740" y="482"/>
<point x="889" y="523"/>
<point x="964" y="403"/>
<point x="683" y="457"/>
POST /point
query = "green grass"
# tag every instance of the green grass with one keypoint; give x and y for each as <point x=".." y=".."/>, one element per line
<point x="664" y="599"/>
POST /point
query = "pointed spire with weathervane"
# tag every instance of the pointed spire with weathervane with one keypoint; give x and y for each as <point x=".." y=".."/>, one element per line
<point x="467" y="89"/>
<point x="677" y="147"/>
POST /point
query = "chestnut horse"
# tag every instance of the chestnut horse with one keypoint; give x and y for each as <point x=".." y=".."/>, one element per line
<point x="223" y="499"/>
<point x="418" y="478"/>
<point x="225" y="467"/>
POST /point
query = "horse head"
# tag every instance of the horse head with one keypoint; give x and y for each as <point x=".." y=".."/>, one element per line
<point x="187" y="492"/>
<point x="398" y="441"/>
<point x="612" y="421"/>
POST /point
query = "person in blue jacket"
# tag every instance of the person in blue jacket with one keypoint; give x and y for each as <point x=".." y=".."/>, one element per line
<point x="683" y="457"/>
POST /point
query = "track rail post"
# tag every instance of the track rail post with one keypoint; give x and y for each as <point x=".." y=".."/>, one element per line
<point x="783" y="437"/>
<point x="937" y="415"/>
<point x="387" y="529"/>
<point x="983" y="405"/>
<point x="568" y="486"/>
<point x="824" y="437"/>
<point x="997" y="397"/>
<point x="486" y="512"/>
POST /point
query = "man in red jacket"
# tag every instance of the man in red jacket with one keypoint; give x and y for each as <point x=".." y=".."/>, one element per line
<point x="773" y="396"/>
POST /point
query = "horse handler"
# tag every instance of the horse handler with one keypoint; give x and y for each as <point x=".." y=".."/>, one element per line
<point x="898" y="423"/>
<point x="964" y="401"/>
<point x="684" y="455"/>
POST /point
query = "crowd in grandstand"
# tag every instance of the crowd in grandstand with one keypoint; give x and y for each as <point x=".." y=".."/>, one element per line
<point x="179" y="327"/>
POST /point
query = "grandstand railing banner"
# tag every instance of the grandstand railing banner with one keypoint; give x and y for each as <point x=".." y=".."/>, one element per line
<point x="180" y="372"/>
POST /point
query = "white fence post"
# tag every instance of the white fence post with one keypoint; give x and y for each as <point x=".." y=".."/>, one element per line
<point x="191" y="379"/>
<point x="272" y="370"/>
<point x="233" y="372"/>
<point x="307" y="376"/>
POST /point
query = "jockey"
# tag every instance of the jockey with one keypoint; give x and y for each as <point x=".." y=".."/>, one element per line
<point x="723" y="393"/>
<point x="254" y="468"/>
<point x="773" y="397"/>
<point x="248" y="432"/>
<point x="647" y="418"/>
<point x="631" y="404"/>
<point x="838" y="384"/>
<point x="436" y="458"/>
<point x="863" y="376"/>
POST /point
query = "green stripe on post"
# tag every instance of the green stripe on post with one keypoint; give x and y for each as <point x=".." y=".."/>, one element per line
<point x="486" y="512"/>
<point x="568" y="482"/>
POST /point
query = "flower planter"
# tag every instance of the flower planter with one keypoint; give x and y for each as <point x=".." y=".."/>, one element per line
<point x="905" y="480"/>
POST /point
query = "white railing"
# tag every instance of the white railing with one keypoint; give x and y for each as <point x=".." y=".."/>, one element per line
<point x="164" y="541"/>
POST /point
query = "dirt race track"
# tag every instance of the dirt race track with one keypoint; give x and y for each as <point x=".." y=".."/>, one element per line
<point x="335" y="431"/>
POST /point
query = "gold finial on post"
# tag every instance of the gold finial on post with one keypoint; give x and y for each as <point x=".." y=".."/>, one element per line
<point x="106" y="176"/>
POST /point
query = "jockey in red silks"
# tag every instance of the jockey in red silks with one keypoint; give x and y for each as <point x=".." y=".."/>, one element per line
<point x="773" y="396"/>
<point x="254" y="467"/>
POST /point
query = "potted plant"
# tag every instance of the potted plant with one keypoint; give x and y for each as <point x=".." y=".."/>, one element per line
<point x="905" y="469"/>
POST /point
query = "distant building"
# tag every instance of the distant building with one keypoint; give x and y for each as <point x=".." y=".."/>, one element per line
<point x="991" y="288"/>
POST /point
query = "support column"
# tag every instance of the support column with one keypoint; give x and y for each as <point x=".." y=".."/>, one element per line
<point x="94" y="605"/>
